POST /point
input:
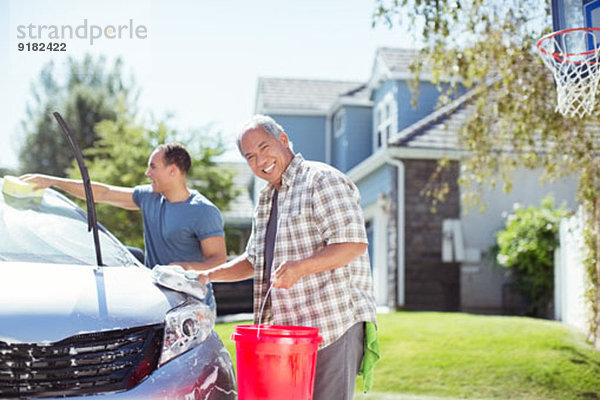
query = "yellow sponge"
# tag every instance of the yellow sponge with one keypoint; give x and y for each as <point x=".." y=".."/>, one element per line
<point x="15" y="187"/>
<point x="21" y="194"/>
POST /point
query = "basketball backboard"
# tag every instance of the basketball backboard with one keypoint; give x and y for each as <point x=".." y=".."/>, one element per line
<point x="567" y="14"/>
<point x="571" y="14"/>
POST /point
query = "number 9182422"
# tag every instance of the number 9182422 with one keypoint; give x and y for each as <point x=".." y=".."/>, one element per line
<point x="50" y="46"/>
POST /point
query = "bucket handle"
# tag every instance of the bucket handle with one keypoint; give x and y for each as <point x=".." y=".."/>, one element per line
<point x="262" y="309"/>
<point x="265" y="302"/>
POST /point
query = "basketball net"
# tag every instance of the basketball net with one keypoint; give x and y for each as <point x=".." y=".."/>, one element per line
<point x="576" y="73"/>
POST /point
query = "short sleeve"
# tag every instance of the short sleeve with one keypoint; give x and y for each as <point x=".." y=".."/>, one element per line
<point x="336" y="205"/>
<point x="210" y="223"/>
<point x="138" y="194"/>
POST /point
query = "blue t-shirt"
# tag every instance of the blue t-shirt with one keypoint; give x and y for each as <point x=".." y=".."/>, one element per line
<point x="172" y="231"/>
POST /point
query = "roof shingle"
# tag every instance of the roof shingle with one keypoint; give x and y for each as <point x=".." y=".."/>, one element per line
<point x="396" y="59"/>
<point x="438" y="130"/>
<point x="304" y="94"/>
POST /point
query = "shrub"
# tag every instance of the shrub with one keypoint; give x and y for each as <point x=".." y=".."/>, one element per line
<point x="526" y="246"/>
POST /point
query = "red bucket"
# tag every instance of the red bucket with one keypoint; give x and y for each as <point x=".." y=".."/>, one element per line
<point x="276" y="362"/>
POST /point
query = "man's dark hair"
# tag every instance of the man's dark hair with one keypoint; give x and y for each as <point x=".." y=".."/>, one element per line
<point x="175" y="153"/>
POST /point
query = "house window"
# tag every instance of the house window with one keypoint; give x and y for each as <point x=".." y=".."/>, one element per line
<point x="385" y="121"/>
<point x="339" y="123"/>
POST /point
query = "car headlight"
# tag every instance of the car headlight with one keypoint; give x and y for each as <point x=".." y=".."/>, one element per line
<point x="186" y="326"/>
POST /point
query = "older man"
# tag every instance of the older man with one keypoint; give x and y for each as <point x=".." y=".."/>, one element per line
<point x="309" y="241"/>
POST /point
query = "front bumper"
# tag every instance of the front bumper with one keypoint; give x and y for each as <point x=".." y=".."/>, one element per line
<point x="203" y="373"/>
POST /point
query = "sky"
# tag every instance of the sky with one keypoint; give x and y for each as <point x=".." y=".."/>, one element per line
<point x="197" y="60"/>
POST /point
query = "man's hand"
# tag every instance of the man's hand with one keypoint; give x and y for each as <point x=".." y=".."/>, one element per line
<point x="40" y="181"/>
<point x="176" y="278"/>
<point x="287" y="274"/>
<point x="193" y="273"/>
<point x="203" y="277"/>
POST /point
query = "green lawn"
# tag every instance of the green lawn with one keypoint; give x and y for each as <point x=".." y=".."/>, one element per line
<point x="474" y="356"/>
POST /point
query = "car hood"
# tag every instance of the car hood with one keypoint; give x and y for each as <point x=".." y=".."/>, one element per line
<point x="45" y="303"/>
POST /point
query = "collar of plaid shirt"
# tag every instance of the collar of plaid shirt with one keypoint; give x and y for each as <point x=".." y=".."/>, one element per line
<point x="289" y="175"/>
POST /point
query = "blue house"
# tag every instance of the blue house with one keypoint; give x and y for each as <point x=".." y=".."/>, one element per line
<point x="390" y="148"/>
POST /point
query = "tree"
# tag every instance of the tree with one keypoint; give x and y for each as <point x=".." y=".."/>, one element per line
<point x="120" y="157"/>
<point x="489" y="46"/>
<point x="89" y="93"/>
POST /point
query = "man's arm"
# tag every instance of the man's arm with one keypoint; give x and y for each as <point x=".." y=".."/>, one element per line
<point x="114" y="195"/>
<point x="329" y="257"/>
<point x="237" y="269"/>
<point x="214" y="252"/>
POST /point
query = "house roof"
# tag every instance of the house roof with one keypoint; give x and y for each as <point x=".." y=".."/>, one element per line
<point x="439" y="130"/>
<point x="395" y="59"/>
<point x="304" y="94"/>
<point x="318" y="96"/>
<point x="393" y="63"/>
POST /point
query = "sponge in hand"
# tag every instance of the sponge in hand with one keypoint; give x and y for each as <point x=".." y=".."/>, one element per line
<point x="20" y="194"/>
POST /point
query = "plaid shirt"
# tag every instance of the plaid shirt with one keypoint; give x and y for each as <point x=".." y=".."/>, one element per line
<point x="317" y="205"/>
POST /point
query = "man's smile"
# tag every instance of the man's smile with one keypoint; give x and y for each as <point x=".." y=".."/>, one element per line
<point x="269" y="169"/>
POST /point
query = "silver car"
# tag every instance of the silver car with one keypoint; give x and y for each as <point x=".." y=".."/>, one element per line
<point x="71" y="329"/>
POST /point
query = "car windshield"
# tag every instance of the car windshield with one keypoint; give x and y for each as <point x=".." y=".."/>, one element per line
<point x="52" y="229"/>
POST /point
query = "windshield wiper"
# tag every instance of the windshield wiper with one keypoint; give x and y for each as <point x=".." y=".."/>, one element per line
<point x="87" y="185"/>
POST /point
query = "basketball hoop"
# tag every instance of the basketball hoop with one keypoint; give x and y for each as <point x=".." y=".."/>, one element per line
<point x="576" y="73"/>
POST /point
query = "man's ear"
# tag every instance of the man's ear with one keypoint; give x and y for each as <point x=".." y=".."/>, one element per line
<point x="283" y="138"/>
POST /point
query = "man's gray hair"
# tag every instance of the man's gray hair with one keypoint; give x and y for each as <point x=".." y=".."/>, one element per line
<point x="263" y="122"/>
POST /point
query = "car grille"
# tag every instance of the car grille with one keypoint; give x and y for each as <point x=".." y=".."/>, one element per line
<point x="83" y="364"/>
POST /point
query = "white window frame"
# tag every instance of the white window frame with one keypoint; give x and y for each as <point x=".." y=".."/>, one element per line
<point x="339" y="123"/>
<point x="386" y="121"/>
